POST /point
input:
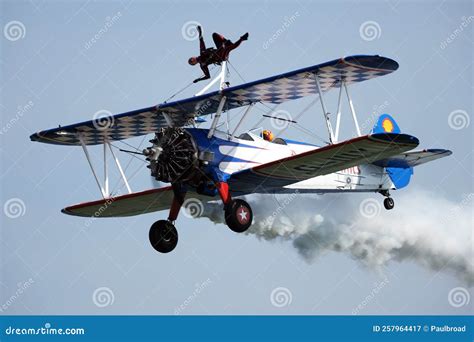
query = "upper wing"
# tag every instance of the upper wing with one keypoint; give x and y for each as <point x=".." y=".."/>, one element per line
<point x="321" y="161"/>
<point x="276" y="89"/>
<point x="299" y="83"/>
<point x="414" y="158"/>
<point x="129" y="205"/>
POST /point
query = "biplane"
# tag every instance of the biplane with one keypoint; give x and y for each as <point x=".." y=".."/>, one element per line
<point x="212" y="164"/>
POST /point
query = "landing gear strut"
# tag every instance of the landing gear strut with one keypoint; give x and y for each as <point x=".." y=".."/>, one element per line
<point x="163" y="234"/>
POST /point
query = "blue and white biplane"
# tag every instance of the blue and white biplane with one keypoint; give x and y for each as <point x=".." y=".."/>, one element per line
<point x="210" y="164"/>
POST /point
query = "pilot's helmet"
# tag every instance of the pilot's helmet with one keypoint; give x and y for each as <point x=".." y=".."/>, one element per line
<point x="267" y="135"/>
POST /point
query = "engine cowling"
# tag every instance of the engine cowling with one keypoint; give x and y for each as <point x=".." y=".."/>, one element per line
<point x="173" y="156"/>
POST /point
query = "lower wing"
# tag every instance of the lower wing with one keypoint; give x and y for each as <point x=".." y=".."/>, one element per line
<point x="129" y="205"/>
<point x="331" y="158"/>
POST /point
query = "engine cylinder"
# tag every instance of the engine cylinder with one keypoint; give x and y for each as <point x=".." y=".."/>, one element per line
<point x="173" y="156"/>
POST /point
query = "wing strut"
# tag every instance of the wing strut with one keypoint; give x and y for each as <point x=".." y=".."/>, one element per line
<point x="243" y="118"/>
<point x="351" y="105"/>
<point x="86" y="152"/>
<point x="338" y="115"/>
<point x="325" y="112"/>
<point x="106" y="172"/>
<point x="104" y="190"/>
<point x="216" y="117"/>
<point x="119" y="167"/>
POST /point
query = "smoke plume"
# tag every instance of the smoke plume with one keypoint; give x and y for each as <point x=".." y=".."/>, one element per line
<point x="423" y="227"/>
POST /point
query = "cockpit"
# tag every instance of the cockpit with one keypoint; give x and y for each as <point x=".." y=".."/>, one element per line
<point x="261" y="134"/>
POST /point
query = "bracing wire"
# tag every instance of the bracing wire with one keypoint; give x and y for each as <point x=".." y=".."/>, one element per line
<point x="184" y="88"/>
<point x="236" y="71"/>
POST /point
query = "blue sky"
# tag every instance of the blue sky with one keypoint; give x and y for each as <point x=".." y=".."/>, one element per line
<point x="52" y="74"/>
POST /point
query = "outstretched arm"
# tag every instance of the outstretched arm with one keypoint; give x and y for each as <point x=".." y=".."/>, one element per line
<point x="206" y="76"/>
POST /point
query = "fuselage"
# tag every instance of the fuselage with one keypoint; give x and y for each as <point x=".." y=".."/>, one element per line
<point x="234" y="154"/>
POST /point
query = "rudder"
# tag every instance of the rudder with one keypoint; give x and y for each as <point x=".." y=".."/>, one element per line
<point x="400" y="176"/>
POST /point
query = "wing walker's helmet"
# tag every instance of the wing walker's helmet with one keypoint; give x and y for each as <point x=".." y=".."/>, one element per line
<point x="267" y="135"/>
<point x="192" y="61"/>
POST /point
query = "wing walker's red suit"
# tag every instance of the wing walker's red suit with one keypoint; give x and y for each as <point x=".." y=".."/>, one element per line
<point x="215" y="55"/>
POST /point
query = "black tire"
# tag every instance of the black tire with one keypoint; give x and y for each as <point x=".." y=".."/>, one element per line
<point x="388" y="203"/>
<point x="163" y="236"/>
<point x="238" y="215"/>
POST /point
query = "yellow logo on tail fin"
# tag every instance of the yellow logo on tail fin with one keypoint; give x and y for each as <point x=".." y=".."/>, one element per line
<point x="387" y="125"/>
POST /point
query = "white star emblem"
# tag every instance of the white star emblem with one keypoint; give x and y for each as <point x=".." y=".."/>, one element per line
<point x="243" y="215"/>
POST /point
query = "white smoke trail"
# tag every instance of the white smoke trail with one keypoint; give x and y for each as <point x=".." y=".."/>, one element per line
<point x="424" y="227"/>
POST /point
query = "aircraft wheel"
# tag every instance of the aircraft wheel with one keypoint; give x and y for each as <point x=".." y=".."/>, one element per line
<point x="388" y="203"/>
<point x="163" y="236"/>
<point x="238" y="215"/>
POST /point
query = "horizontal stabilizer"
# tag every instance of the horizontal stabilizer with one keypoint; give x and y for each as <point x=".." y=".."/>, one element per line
<point x="414" y="158"/>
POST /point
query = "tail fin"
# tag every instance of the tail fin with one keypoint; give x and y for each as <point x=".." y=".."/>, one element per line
<point x="386" y="124"/>
<point x="400" y="175"/>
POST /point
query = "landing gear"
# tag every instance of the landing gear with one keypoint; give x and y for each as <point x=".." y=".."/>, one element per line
<point x="388" y="203"/>
<point x="163" y="236"/>
<point x="237" y="212"/>
<point x="238" y="215"/>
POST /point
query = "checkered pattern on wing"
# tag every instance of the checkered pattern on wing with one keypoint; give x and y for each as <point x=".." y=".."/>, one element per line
<point x="303" y="84"/>
<point x="290" y="86"/>
<point x="120" y="128"/>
